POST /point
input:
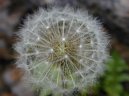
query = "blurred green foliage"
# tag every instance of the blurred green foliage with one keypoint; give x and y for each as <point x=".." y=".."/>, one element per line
<point x="111" y="83"/>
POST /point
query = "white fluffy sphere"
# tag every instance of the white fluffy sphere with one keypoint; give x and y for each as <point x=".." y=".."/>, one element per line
<point x="62" y="49"/>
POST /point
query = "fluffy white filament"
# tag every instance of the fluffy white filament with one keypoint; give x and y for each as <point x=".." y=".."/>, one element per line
<point x="62" y="50"/>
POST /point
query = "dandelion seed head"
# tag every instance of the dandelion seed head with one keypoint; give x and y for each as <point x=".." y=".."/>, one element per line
<point x="65" y="59"/>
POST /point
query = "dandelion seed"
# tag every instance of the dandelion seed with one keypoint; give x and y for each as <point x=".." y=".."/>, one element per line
<point x="80" y="46"/>
<point x="78" y="31"/>
<point x="66" y="56"/>
<point x="47" y="27"/>
<point x="63" y="39"/>
<point x="37" y="52"/>
<point x="80" y="60"/>
<point x="38" y="38"/>
<point x="51" y="50"/>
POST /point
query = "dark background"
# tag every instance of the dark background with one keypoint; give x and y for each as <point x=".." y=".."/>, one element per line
<point x="114" y="15"/>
